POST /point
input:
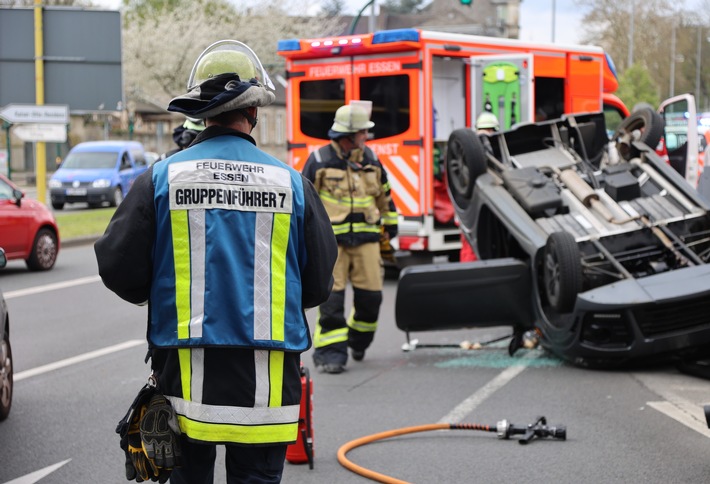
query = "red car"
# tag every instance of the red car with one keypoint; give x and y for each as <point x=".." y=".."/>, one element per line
<point x="27" y="228"/>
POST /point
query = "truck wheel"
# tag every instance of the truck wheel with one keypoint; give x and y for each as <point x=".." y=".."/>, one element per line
<point x="57" y="205"/>
<point x="562" y="271"/>
<point x="44" y="251"/>
<point x="465" y="162"/>
<point x="5" y="376"/>
<point x="648" y="122"/>
<point x="117" y="197"/>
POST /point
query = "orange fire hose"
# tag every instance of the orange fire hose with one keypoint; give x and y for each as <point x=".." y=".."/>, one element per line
<point x="505" y="430"/>
<point x="368" y="439"/>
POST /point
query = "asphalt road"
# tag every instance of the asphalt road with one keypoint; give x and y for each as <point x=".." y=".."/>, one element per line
<point x="79" y="361"/>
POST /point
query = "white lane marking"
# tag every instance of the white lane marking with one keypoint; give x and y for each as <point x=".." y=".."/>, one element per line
<point x="37" y="475"/>
<point x="687" y="413"/>
<point x="469" y="405"/>
<point x="51" y="287"/>
<point x="78" y="359"/>
<point x="670" y="387"/>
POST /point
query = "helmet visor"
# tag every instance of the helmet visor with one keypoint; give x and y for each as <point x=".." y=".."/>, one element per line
<point x="210" y="63"/>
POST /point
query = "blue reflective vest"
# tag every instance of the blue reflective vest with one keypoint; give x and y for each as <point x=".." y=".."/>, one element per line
<point x="228" y="251"/>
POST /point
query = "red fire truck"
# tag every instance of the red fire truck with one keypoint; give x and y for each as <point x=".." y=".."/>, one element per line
<point x="424" y="85"/>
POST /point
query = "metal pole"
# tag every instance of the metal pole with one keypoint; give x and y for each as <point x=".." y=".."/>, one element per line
<point x="697" y="68"/>
<point x="672" y="88"/>
<point x="371" y="23"/>
<point x="553" y="21"/>
<point x="631" y="36"/>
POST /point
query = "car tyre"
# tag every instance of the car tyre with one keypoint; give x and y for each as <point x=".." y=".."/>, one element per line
<point x="648" y="122"/>
<point x="117" y="197"/>
<point x="562" y="271"/>
<point x="44" y="251"/>
<point x="6" y="379"/>
<point x="57" y="205"/>
<point x="465" y="162"/>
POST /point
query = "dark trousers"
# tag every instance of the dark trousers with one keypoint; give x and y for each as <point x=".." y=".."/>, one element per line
<point x="245" y="464"/>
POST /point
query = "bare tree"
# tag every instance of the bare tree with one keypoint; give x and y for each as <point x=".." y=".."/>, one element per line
<point x="162" y="39"/>
<point x="653" y="34"/>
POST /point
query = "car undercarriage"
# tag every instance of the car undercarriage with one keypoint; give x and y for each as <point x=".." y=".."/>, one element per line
<point x="600" y="246"/>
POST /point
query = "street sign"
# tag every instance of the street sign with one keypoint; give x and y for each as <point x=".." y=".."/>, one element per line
<point x="53" y="133"/>
<point x="32" y="113"/>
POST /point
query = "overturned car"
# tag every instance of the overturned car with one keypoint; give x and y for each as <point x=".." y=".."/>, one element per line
<point x="601" y="247"/>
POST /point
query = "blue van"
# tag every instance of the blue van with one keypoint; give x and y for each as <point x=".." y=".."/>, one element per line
<point x="95" y="172"/>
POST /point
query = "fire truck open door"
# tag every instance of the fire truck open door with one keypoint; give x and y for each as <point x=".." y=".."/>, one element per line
<point x="392" y="83"/>
<point x="503" y="85"/>
<point x="317" y="87"/>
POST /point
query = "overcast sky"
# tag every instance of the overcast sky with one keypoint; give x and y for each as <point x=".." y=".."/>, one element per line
<point x="535" y="18"/>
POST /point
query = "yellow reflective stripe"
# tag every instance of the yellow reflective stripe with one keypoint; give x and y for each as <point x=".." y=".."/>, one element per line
<point x="181" y="262"/>
<point x="185" y="372"/>
<point x="362" y="326"/>
<point x="356" y="227"/>
<point x="363" y="227"/>
<point x="389" y="218"/>
<point x="279" y="246"/>
<point x="386" y="186"/>
<point x="360" y="202"/>
<point x="321" y="339"/>
<point x="245" y="434"/>
<point x="341" y="229"/>
<point x="276" y="378"/>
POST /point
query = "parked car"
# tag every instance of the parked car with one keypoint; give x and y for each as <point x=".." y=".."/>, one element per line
<point x="606" y="257"/>
<point x="28" y="229"/>
<point x="5" y="353"/>
<point x="96" y="172"/>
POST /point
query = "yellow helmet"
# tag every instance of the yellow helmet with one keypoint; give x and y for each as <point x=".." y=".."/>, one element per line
<point x="487" y="120"/>
<point x="351" y="118"/>
<point x="227" y="76"/>
<point x="228" y="56"/>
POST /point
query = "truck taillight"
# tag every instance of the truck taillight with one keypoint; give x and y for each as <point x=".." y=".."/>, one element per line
<point x="413" y="243"/>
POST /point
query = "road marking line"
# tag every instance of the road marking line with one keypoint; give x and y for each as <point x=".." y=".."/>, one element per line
<point x="682" y="411"/>
<point x="77" y="359"/>
<point x="469" y="405"/>
<point x="37" y="475"/>
<point x="51" y="287"/>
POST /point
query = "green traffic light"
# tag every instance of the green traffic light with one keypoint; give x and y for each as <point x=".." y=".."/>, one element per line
<point x="466" y="2"/>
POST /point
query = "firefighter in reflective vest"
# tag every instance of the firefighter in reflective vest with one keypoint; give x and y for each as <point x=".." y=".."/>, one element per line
<point x="352" y="183"/>
<point x="227" y="245"/>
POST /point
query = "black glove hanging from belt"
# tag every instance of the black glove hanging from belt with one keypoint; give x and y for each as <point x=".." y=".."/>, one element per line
<point x="150" y="437"/>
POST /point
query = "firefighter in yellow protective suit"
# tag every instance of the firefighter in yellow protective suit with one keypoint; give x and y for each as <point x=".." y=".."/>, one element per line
<point x="352" y="183"/>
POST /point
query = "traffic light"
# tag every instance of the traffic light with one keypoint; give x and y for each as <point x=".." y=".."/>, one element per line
<point x="468" y="3"/>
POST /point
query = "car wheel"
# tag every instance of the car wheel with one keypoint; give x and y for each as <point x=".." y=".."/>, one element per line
<point x="562" y="271"/>
<point x="44" y="251"/>
<point x="650" y="125"/>
<point x="57" y="205"/>
<point x="117" y="197"/>
<point x="465" y="162"/>
<point x="6" y="382"/>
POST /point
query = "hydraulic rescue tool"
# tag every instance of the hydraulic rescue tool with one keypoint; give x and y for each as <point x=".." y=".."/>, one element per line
<point x="505" y="430"/>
